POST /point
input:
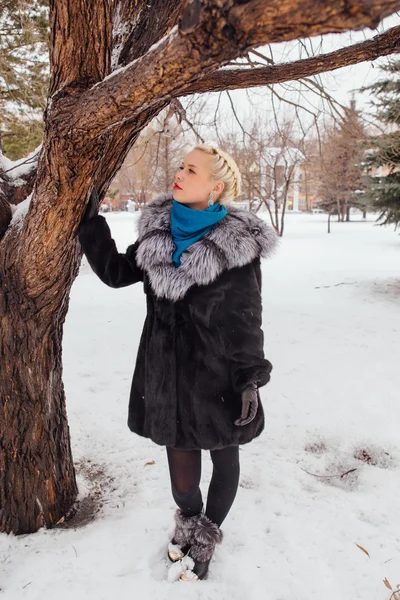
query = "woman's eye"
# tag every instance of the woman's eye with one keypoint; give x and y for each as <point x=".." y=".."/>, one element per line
<point x="191" y="171"/>
<point x="180" y="168"/>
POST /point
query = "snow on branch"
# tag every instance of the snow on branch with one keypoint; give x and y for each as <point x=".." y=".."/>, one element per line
<point x="131" y="34"/>
<point x="18" y="172"/>
<point x="20" y="212"/>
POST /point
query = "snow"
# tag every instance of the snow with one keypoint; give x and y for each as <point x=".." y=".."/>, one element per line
<point x="181" y="567"/>
<point x="18" y="169"/>
<point x="120" y="30"/>
<point x="297" y="529"/>
<point x="20" y="212"/>
<point x="169" y="36"/>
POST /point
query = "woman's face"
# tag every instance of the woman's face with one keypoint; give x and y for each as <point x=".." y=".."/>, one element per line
<point x="194" y="183"/>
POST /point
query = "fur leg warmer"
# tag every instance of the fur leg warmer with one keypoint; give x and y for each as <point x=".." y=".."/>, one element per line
<point x="206" y="536"/>
<point x="184" y="528"/>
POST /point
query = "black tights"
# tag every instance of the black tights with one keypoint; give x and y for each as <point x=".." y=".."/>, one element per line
<point x="185" y="473"/>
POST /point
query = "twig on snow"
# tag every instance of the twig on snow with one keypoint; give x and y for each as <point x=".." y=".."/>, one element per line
<point x="341" y="475"/>
<point x="318" y="287"/>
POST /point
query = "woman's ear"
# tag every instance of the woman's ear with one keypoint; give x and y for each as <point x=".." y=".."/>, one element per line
<point x="219" y="187"/>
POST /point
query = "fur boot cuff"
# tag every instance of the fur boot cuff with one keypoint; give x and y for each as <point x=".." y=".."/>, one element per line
<point x="206" y="535"/>
<point x="184" y="528"/>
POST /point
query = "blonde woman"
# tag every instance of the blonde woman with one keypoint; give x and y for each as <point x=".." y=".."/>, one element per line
<point x="200" y="360"/>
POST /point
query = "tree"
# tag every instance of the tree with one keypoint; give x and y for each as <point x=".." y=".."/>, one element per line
<point x="151" y="164"/>
<point x="110" y="74"/>
<point x="269" y="164"/>
<point x="24" y="74"/>
<point x="342" y="165"/>
<point x="165" y="151"/>
<point x="383" y="189"/>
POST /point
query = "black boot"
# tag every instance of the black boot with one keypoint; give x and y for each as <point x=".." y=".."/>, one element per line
<point x="206" y="536"/>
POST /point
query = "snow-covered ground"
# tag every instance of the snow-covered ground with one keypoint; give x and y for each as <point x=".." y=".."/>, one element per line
<point x="331" y="321"/>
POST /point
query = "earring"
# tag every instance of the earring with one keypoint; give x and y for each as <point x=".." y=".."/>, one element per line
<point x="211" y="201"/>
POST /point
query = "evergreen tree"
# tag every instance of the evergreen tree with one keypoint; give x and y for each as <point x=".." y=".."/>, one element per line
<point x="24" y="74"/>
<point x="383" y="184"/>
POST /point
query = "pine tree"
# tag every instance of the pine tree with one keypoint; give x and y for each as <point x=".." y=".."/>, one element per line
<point x="24" y="74"/>
<point x="383" y="185"/>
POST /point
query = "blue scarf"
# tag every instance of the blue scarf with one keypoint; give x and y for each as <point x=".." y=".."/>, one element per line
<point x="189" y="225"/>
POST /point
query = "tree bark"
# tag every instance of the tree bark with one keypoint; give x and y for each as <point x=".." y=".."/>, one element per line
<point x="37" y="483"/>
<point x="5" y="215"/>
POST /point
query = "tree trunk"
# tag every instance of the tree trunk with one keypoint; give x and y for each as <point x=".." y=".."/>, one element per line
<point x="37" y="483"/>
<point x="339" y="209"/>
<point x="344" y="210"/>
<point x="348" y="214"/>
<point x="329" y="222"/>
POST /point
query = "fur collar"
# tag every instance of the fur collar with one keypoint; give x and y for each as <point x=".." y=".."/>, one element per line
<point x="233" y="242"/>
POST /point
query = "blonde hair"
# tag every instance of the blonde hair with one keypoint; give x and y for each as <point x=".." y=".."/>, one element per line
<point x="223" y="168"/>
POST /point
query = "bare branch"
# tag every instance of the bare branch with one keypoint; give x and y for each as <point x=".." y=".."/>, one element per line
<point x="231" y="79"/>
<point x="260" y="55"/>
<point x="181" y="114"/>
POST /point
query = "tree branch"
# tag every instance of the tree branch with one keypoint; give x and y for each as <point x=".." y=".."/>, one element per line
<point x="210" y="33"/>
<point x="17" y="178"/>
<point x="231" y="79"/>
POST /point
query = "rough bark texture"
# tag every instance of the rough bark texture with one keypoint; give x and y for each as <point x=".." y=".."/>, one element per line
<point x="5" y="215"/>
<point x="37" y="484"/>
<point x="92" y="119"/>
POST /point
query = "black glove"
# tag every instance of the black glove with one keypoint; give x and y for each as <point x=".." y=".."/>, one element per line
<point x="92" y="209"/>
<point x="249" y="405"/>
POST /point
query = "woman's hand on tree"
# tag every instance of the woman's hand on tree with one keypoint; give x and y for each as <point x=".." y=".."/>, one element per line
<point x="249" y="405"/>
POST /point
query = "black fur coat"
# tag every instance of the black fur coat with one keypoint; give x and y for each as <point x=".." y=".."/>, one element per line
<point x="202" y="341"/>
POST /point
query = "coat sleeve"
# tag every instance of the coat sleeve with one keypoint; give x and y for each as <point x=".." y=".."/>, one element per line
<point x="114" y="269"/>
<point x="246" y="338"/>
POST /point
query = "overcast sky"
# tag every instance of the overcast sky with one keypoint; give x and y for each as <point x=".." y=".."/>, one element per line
<point x="343" y="81"/>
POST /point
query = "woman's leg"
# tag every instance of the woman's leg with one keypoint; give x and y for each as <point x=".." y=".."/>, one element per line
<point x="224" y="483"/>
<point x="185" y="473"/>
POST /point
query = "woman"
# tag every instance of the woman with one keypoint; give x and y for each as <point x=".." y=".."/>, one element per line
<point x="200" y="360"/>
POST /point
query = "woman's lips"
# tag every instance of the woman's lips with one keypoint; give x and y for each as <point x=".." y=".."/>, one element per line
<point x="177" y="187"/>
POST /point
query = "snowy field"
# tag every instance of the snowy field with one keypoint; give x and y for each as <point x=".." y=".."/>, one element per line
<point x="331" y="322"/>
